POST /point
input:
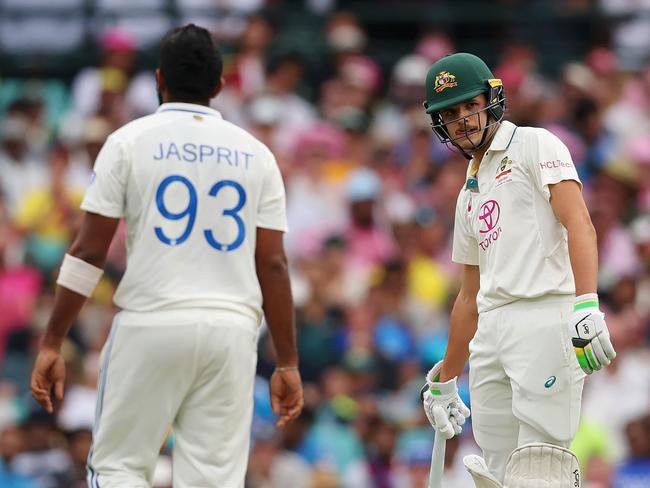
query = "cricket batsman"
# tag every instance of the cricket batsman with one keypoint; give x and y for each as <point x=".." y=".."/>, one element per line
<point x="527" y="315"/>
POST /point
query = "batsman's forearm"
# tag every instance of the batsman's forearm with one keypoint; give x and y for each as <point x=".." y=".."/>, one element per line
<point x="278" y="310"/>
<point x="583" y="253"/>
<point x="462" y="327"/>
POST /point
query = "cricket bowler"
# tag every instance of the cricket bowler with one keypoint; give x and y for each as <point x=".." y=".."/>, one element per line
<point x="204" y="205"/>
<point x="527" y="314"/>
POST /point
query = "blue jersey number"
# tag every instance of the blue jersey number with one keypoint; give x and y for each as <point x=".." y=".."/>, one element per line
<point x="190" y="212"/>
<point x="241" y="230"/>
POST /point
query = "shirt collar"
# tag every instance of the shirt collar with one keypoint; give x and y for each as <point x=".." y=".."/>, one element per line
<point x="503" y="137"/>
<point x="500" y="142"/>
<point x="188" y="107"/>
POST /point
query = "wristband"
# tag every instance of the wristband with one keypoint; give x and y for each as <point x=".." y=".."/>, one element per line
<point x="78" y="276"/>
<point x="588" y="300"/>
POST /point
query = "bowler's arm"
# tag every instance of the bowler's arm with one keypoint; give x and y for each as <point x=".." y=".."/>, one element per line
<point x="91" y="245"/>
<point x="273" y="276"/>
<point x="463" y="323"/>
<point x="570" y="209"/>
<point x="285" y="387"/>
<point x="89" y="249"/>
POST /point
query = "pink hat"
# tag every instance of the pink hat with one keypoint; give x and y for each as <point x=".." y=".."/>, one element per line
<point x="117" y="39"/>
<point x="639" y="150"/>
<point x="362" y="71"/>
<point x="434" y="46"/>
<point x="602" y="60"/>
<point x="323" y="136"/>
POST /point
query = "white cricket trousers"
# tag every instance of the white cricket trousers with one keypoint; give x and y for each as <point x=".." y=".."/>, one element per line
<point x="525" y="381"/>
<point x="190" y="370"/>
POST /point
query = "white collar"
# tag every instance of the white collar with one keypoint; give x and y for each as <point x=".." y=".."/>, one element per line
<point x="503" y="137"/>
<point x="188" y="107"/>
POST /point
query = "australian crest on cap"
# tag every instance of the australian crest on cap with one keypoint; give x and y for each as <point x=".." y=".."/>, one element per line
<point x="444" y="80"/>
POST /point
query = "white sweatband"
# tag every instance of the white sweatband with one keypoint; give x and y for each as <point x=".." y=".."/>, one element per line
<point x="79" y="276"/>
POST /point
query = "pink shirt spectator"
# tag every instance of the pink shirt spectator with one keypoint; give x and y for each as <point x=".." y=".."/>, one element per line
<point x="368" y="247"/>
<point x="19" y="289"/>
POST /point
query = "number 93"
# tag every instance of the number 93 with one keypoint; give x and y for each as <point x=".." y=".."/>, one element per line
<point x="190" y="212"/>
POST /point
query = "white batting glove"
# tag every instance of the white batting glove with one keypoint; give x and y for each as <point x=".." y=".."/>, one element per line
<point x="442" y="404"/>
<point x="589" y="334"/>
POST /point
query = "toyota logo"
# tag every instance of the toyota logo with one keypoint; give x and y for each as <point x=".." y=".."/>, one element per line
<point x="489" y="216"/>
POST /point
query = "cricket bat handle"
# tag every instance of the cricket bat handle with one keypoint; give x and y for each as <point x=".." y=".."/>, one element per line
<point x="437" y="461"/>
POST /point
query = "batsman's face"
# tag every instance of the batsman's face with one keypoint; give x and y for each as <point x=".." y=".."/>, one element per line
<point x="466" y="121"/>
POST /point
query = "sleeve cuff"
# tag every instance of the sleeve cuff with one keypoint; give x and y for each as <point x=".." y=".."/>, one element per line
<point x="114" y="213"/>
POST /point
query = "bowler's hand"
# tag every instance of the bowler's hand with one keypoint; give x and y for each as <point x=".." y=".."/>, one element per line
<point x="49" y="371"/>
<point x="286" y="396"/>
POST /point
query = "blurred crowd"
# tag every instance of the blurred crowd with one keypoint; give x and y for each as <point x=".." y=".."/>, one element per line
<point x="370" y="197"/>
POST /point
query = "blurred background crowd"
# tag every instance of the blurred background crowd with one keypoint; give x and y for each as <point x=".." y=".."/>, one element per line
<point x="335" y="90"/>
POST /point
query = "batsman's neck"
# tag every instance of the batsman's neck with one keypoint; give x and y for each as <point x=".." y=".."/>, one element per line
<point x="477" y="156"/>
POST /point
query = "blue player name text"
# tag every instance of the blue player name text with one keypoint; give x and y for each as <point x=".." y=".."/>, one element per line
<point x="202" y="153"/>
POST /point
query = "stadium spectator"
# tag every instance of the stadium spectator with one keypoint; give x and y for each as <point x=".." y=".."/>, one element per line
<point x="93" y="88"/>
<point x="635" y="470"/>
<point x="12" y="441"/>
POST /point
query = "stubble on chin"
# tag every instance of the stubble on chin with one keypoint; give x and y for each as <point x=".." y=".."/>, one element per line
<point x="469" y="145"/>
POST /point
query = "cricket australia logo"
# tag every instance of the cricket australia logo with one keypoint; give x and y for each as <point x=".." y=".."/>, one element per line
<point x="503" y="172"/>
<point x="444" y="80"/>
<point x="504" y="167"/>
<point x="488" y="217"/>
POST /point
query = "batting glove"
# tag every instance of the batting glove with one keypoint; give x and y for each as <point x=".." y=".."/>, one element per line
<point x="442" y="405"/>
<point x="589" y="334"/>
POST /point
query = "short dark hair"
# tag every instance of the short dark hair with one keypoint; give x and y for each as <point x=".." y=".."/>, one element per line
<point x="191" y="63"/>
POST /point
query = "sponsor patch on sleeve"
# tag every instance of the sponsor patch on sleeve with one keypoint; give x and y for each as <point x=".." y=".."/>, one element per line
<point x="556" y="163"/>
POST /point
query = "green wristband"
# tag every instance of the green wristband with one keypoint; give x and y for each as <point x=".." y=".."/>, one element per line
<point x="588" y="300"/>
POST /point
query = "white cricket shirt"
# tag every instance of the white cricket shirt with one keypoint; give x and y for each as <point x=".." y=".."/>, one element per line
<point x="192" y="189"/>
<point x="508" y="227"/>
